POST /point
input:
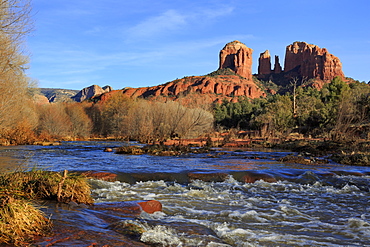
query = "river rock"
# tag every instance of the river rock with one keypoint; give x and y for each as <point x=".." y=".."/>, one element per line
<point x="253" y="176"/>
<point x="105" y="176"/>
<point x="208" y="177"/>
<point x="47" y="143"/>
<point x="130" y="207"/>
<point x="150" y="206"/>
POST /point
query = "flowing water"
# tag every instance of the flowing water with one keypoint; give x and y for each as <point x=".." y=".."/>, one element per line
<point x="320" y="205"/>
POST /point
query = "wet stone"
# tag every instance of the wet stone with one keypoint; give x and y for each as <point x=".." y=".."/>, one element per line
<point x="130" y="207"/>
<point x="253" y="176"/>
<point x="105" y="176"/>
<point x="151" y="206"/>
<point x="208" y="177"/>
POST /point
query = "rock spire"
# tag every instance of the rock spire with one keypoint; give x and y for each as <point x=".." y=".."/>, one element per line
<point x="238" y="57"/>
<point x="264" y="63"/>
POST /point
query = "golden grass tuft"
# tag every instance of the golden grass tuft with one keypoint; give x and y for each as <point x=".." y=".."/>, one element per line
<point x="49" y="185"/>
<point x="20" y="221"/>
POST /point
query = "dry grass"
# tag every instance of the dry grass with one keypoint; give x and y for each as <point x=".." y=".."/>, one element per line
<point x="49" y="185"/>
<point x="20" y="221"/>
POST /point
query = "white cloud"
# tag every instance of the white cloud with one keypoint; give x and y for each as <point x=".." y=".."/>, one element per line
<point x="167" y="21"/>
<point x="173" y="20"/>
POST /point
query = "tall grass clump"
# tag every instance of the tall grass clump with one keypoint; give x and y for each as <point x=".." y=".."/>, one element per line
<point x="20" y="219"/>
<point x="48" y="185"/>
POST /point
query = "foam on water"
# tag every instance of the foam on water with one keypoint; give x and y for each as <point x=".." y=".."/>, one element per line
<point x="259" y="214"/>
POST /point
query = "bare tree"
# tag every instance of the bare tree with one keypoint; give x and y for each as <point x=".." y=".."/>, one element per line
<point x="15" y="24"/>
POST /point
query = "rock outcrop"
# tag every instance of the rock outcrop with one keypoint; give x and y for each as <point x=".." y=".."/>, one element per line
<point x="238" y="57"/>
<point x="208" y="88"/>
<point x="56" y="95"/>
<point x="40" y="99"/>
<point x="89" y="92"/>
<point x="231" y="80"/>
<point x="303" y="61"/>
<point x="264" y="63"/>
<point x="312" y="61"/>
<point x="277" y="67"/>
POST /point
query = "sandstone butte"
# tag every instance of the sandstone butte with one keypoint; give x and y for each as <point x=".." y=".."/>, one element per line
<point x="302" y="60"/>
<point x="235" y="56"/>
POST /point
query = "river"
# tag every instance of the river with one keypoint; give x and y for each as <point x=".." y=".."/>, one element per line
<point x="309" y="205"/>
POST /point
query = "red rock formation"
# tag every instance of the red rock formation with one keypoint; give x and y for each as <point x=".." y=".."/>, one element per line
<point x="238" y="57"/>
<point x="277" y="66"/>
<point x="207" y="88"/>
<point x="264" y="63"/>
<point x="312" y="61"/>
<point x="89" y="92"/>
<point x="210" y="88"/>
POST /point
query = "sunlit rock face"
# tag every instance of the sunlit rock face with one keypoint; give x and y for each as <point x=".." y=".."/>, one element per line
<point x="264" y="63"/>
<point x="238" y="57"/>
<point x="89" y="92"/>
<point x="312" y="61"/>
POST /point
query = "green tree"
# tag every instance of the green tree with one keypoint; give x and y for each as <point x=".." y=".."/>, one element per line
<point x="277" y="116"/>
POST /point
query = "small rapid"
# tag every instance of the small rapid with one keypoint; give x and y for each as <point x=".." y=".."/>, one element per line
<point x="258" y="214"/>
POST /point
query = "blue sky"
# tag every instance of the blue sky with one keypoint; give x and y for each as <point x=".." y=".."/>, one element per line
<point x="126" y="43"/>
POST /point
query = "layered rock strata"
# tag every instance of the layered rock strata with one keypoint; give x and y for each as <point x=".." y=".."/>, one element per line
<point x="212" y="89"/>
<point x="264" y="63"/>
<point x="238" y="57"/>
<point x="312" y="61"/>
<point x="89" y="92"/>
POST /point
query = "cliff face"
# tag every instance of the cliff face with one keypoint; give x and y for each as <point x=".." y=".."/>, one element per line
<point x="89" y="92"/>
<point x="264" y="63"/>
<point x="238" y="57"/>
<point x="55" y="95"/>
<point x="301" y="59"/>
<point x="215" y="88"/>
<point x="312" y="61"/>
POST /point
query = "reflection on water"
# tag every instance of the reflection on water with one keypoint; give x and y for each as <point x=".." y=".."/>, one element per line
<point x="322" y="205"/>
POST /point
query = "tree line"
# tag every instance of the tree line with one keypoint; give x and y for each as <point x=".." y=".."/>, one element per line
<point x="22" y="121"/>
<point x="338" y="111"/>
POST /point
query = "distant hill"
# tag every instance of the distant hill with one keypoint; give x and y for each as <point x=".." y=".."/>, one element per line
<point x="58" y="95"/>
<point x="305" y="64"/>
